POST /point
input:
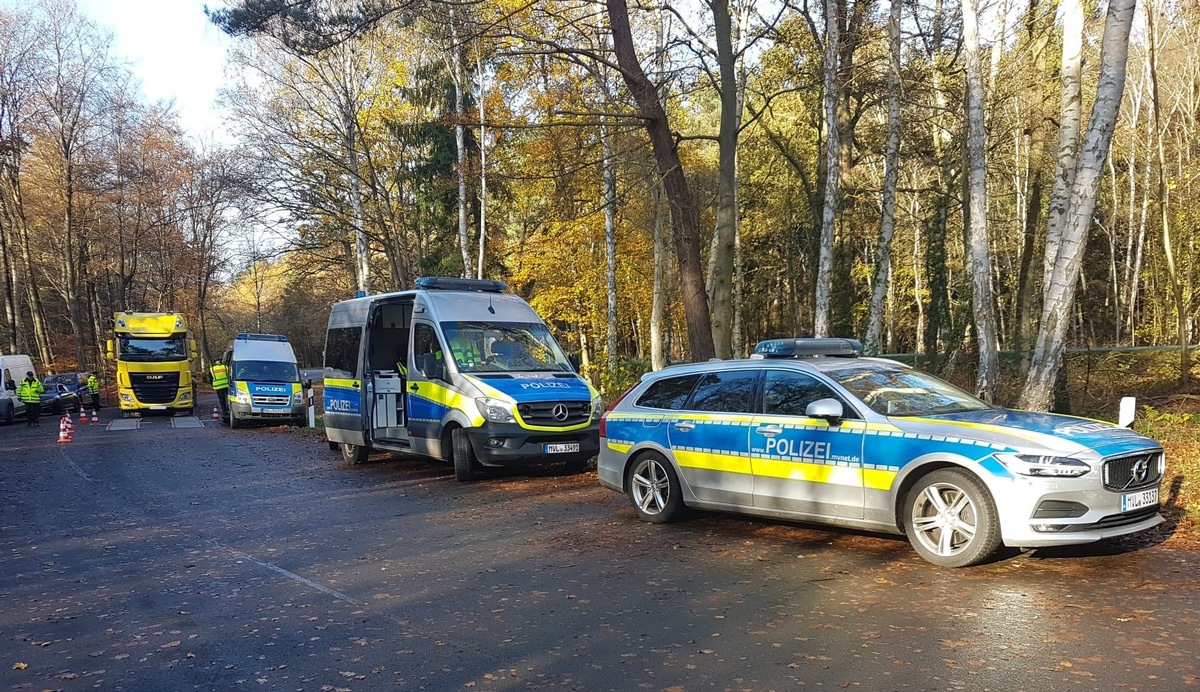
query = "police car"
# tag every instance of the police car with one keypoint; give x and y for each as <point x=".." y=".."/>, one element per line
<point x="807" y="430"/>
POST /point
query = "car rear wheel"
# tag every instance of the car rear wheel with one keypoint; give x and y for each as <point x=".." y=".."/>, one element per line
<point x="654" y="489"/>
<point x="466" y="466"/>
<point x="951" y="519"/>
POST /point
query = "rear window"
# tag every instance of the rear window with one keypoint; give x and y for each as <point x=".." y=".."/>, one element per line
<point x="668" y="393"/>
<point x="726" y="392"/>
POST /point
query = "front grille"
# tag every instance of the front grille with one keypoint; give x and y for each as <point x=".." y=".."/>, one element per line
<point x="1132" y="472"/>
<point x="542" y="413"/>
<point x="154" y="387"/>
<point x="263" y="400"/>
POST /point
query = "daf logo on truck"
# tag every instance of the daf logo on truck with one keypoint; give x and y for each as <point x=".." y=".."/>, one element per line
<point x="456" y="370"/>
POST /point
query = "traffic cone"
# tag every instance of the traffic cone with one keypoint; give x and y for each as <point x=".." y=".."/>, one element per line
<point x="83" y="418"/>
<point x="95" y="417"/>
<point x="64" y="433"/>
<point x="216" y="416"/>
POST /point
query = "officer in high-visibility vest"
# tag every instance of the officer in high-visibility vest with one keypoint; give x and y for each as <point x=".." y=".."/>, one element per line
<point x="466" y="352"/>
<point x="30" y="392"/>
<point x="220" y="384"/>
<point x="93" y="385"/>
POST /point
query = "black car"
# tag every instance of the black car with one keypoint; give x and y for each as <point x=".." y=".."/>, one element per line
<point x="58" y="396"/>
<point x="76" y="382"/>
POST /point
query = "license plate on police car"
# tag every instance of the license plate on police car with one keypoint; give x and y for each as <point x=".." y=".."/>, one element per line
<point x="1132" y="501"/>
<point x="562" y="447"/>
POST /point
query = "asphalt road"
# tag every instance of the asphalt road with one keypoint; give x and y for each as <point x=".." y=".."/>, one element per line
<point x="174" y="558"/>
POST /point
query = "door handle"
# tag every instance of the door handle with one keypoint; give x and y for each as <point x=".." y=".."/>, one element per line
<point x="413" y="388"/>
<point x="354" y="384"/>
<point x="685" y="426"/>
<point x="769" y="430"/>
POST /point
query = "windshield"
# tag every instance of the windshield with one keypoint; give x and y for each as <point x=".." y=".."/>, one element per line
<point x="504" y="347"/>
<point x="265" y="371"/>
<point x="903" y="392"/>
<point x="69" y="380"/>
<point x="152" y="350"/>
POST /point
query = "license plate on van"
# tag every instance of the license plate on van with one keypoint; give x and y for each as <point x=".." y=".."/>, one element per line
<point x="1132" y="501"/>
<point x="562" y="447"/>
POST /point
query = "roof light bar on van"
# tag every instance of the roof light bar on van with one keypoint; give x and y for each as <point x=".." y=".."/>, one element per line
<point x="261" y="337"/>
<point x="449" y="283"/>
<point x="795" y="348"/>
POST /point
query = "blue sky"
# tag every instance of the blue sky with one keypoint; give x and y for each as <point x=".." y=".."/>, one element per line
<point x="175" y="51"/>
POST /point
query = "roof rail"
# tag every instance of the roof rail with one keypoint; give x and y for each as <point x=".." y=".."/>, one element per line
<point x="448" y="283"/>
<point x="798" y="348"/>
<point x="261" y="337"/>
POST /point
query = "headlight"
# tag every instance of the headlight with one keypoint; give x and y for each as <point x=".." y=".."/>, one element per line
<point x="243" y="397"/>
<point x="1043" y="465"/>
<point x="495" y="410"/>
<point x="297" y="398"/>
<point x="186" y="396"/>
<point x="126" y="397"/>
<point x="597" y="406"/>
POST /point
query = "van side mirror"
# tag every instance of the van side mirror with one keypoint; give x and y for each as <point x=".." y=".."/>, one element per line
<point x="573" y="359"/>
<point x="432" y="368"/>
<point x="829" y="409"/>
<point x="110" y="349"/>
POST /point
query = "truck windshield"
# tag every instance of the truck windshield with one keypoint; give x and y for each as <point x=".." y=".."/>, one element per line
<point x="152" y="350"/>
<point x="504" y="347"/>
<point x="265" y="371"/>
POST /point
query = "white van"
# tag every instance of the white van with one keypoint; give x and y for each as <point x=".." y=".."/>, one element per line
<point x="264" y="381"/>
<point x="12" y="371"/>
<point x="456" y="370"/>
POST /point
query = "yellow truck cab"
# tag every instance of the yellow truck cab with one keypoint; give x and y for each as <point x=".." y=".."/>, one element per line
<point x="264" y="381"/>
<point x="456" y="370"/>
<point x="153" y="355"/>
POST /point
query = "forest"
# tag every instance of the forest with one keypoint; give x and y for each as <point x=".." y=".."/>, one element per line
<point x="984" y="185"/>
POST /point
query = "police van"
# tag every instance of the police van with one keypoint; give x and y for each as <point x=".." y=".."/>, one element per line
<point x="456" y="370"/>
<point x="264" y="381"/>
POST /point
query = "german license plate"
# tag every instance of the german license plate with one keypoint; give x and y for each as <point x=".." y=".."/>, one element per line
<point x="1132" y="501"/>
<point x="158" y="408"/>
<point x="562" y="447"/>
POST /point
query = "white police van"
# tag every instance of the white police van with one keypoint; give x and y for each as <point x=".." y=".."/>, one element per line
<point x="456" y="370"/>
<point x="264" y="381"/>
<point x="12" y="371"/>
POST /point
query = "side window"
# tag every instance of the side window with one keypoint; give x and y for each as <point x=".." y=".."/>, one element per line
<point x="669" y="393"/>
<point x="728" y="392"/>
<point x="789" y="393"/>
<point x="425" y="340"/>
<point x="341" y="353"/>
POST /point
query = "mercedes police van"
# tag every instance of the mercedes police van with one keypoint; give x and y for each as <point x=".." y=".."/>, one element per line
<point x="264" y="381"/>
<point x="456" y="370"/>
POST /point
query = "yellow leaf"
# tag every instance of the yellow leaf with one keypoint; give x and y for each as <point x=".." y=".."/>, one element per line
<point x="20" y="666"/>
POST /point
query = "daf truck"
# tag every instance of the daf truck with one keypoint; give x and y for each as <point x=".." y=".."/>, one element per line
<point x="154" y="355"/>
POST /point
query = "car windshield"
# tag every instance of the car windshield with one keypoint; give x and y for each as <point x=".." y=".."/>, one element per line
<point x="895" y="391"/>
<point x="69" y="379"/>
<point x="152" y="350"/>
<point x="504" y="347"/>
<point x="265" y="371"/>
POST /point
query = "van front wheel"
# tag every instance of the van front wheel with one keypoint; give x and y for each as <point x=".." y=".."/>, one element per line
<point x="355" y="454"/>
<point x="466" y="466"/>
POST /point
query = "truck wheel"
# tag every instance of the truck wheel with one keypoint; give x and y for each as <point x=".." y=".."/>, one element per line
<point x="951" y="519"/>
<point x="466" y="466"/>
<point x="354" y="454"/>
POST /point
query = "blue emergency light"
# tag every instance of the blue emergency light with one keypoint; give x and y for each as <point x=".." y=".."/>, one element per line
<point x="261" y="337"/>
<point x="449" y="283"/>
<point x="797" y="348"/>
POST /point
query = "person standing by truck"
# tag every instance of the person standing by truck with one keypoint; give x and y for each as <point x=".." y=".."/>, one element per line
<point x="30" y="391"/>
<point x="93" y="385"/>
<point x="220" y="384"/>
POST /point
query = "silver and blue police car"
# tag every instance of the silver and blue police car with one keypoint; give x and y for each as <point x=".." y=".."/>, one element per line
<point x="809" y="431"/>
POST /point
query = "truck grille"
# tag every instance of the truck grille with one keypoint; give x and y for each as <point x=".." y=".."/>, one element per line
<point x="1132" y="472"/>
<point x="542" y="413"/>
<point x="264" y="400"/>
<point x="154" y="387"/>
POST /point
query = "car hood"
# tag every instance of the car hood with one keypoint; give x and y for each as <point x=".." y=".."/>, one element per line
<point x="1031" y="431"/>
<point x="529" y="387"/>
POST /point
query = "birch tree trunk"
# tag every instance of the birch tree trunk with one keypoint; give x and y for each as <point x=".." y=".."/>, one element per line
<point x="460" y="144"/>
<point x="988" y="372"/>
<point x="361" y="248"/>
<point x="482" y="166"/>
<point x="659" y="298"/>
<point x="610" y="247"/>
<point x="1060" y="294"/>
<point x="887" y="224"/>
<point x="1070" y="121"/>
<point x="833" y="152"/>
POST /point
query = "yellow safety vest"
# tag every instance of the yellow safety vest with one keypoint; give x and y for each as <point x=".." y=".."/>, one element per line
<point x="30" y="392"/>
<point x="93" y="385"/>
<point x="220" y="376"/>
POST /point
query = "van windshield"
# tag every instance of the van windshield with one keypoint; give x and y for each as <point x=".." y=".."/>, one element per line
<point x="265" y="371"/>
<point x="504" y="347"/>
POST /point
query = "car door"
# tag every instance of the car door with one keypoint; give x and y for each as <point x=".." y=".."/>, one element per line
<point x="804" y="465"/>
<point x="709" y="438"/>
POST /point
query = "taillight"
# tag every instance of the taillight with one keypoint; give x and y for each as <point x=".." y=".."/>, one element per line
<point x="604" y="424"/>
<point x="604" y="416"/>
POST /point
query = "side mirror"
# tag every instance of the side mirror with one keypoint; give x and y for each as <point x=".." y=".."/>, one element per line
<point x="193" y="350"/>
<point x="307" y="384"/>
<point x="573" y="359"/>
<point x="110" y="349"/>
<point x="829" y="409"/>
<point x="432" y="368"/>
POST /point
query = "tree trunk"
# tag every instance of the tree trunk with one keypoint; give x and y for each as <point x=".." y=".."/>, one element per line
<point x="722" y="260"/>
<point x="1060" y="295"/>
<point x="685" y="214"/>
<point x="1070" y="118"/>
<point x="659" y="298"/>
<point x="482" y="166"/>
<point x="460" y="144"/>
<point x="833" y="154"/>
<point x="610" y="248"/>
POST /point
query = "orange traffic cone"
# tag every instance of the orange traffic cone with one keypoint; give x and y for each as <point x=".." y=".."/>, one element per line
<point x="95" y="417"/>
<point x="64" y="433"/>
<point x="83" y="418"/>
<point x="216" y="416"/>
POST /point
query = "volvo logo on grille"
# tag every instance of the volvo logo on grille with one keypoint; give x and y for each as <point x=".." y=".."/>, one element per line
<point x="1140" y="471"/>
<point x="560" y="412"/>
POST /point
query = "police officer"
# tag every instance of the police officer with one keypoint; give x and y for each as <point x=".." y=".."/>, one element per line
<point x="30" y="392"/>
<point x="220" y="384"/>
<point x="466" y="351"/>
<point x="93" y="385"/>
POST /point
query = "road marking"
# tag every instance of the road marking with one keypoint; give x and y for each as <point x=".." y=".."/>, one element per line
<point x="290" y="575"/>
<point x="186" y="422"/>
<point x="63" y="453"/>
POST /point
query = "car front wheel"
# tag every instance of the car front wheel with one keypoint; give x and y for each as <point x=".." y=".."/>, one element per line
<point x="951" y="519"/>
<point x="654" y="489"/>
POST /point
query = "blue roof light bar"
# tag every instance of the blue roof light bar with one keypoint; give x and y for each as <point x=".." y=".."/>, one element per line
<point x="798" y="348"/>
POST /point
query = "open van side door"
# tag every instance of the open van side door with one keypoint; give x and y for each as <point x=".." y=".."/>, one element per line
<point x="344" y="398"/>
<point x="386" y="373"/>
